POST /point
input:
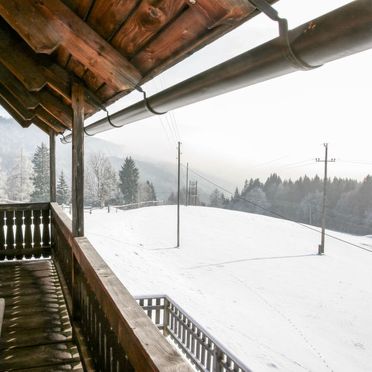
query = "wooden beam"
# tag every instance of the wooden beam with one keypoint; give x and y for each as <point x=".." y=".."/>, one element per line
<point x="18" y="90"/>
<point x="49" y="119"/>
<point x="15" y="103"/>
<point x="15" y="115"/>
<point x="56" y="108"/>
<point x="78" y="160"/>
<point x="46" y="25"/>
<point x="41" y="125"/>
<point x="52" y="166"/>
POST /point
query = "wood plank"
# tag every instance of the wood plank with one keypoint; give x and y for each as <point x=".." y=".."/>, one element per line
<point x="107" y="16"/>
<point x="38" y="356"/>
<point x="61" y="26"/>
<point x="56" y="107"/>
<point x="147" y="21"/>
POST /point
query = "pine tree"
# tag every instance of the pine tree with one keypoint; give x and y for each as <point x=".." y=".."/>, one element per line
<point x="63" y="191"/>
<point x="128" y="178"/>
<point x="40" y="162"/>
<point x="19" y="184"/>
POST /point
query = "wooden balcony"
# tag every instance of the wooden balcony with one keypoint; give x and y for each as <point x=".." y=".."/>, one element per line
<point x="64" y="307"/>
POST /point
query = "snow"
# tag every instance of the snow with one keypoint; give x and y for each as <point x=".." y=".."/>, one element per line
<point x="254" y="282"/>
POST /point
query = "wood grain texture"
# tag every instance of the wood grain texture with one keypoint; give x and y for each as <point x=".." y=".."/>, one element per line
<point x="15" y="104"/>
<point x="65" y="28"/>
<point x="106" y="16"/>
<point x="145" y="23"/>
<point x="37" y="333"/>
<point x="78" y="160"/>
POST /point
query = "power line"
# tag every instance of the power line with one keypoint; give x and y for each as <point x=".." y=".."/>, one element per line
<point x="277" y="214"/>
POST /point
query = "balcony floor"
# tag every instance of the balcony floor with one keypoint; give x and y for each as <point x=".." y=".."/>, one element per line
<point x="36" y="333"/>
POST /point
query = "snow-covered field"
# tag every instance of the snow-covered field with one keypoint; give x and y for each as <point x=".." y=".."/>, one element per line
<point x="254" y="282"/>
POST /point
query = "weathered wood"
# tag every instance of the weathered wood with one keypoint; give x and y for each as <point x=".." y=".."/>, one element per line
<point x="37" y="332"/>
<point x="78" y="160"/>
<point x="52" y="167"/>
<point x="61" y="26"/>
<point x="15" y="104"/>
<point x="107" y="16"/>
<point x="18" y="90"/>
<point x="50" y="120"/>
<point x="56" y="107"/>
<point x="16" y="116"/>
<point x="147" y="21"/>
<point x="103" y="296"/>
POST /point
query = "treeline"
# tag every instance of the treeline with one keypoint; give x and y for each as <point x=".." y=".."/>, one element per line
<point x="349" y="202"/>
<point x="28" y="181"/>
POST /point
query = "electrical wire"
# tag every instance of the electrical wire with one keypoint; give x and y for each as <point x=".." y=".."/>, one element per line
<point x="277" y="214"/>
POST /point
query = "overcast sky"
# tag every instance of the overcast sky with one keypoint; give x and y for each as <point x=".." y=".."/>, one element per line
<point x="277" y="126"/>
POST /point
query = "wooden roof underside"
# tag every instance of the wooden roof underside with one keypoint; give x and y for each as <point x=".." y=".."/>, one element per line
<point x="110" y="46"/>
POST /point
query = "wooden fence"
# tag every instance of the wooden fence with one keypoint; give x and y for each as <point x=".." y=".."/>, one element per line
<point x="201" y="349"/>
<point x="24" y="231"/>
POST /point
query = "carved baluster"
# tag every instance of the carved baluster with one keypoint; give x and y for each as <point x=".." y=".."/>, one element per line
<point x="28" y="231"/>
<point x="37" y="233"/>
<point x="19" y="234"/>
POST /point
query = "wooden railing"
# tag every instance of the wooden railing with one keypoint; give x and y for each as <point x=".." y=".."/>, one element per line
<point x="201" y="349"/>
<point x="24" y="231"/>
<point x="113" y="332"/>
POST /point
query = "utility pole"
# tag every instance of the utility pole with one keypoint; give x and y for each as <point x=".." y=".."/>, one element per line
<point x="325" y="161"/>
<point x="178" y="194"/>
<point x="187" y="183"/>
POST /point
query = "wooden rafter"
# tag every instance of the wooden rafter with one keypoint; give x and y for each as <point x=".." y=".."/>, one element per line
<point x="47" y="25"/>
<point x="15" y="114"/>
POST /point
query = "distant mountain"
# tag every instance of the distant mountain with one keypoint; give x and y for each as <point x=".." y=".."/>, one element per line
<point x="163" y="175"/>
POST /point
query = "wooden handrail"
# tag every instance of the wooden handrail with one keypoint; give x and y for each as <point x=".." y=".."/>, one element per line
<point x="138" y="337"/>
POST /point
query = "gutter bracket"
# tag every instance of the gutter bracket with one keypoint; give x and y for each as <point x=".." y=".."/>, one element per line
<point x="147" y="103"/>
<point x="269" y="11"/>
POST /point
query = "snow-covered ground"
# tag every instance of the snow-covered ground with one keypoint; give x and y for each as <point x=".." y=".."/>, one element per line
<point x="254" y="282"/>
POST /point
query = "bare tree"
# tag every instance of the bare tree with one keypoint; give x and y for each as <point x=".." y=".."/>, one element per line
<point x="101" y="180"/>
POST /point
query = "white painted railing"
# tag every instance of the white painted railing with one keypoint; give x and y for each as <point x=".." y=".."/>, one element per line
<point x="203" y="351"/>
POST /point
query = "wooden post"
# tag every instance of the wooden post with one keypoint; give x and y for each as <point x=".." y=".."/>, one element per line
<point x="52" y="166"/>
<point x="78" y="160"/>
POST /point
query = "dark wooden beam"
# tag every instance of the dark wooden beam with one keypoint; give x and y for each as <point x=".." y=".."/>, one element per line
<point x="47" y="25"/>
<point x="78" y="160"/>
<point x="52" y="166"/>
<point x="56" y="107"/>
<point x="18" y="90"/>
<point x="16" y="105"/>
<point x="16" y="116"/>
<point x="41" y="125"/>
<point x="49" y="119"/>
<point x="35" y="74"/>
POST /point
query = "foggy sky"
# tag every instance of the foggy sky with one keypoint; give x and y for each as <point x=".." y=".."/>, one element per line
<point x="277" y="126"/>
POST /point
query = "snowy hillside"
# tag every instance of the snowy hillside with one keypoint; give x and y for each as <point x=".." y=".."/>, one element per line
<point x="254" y="282"/>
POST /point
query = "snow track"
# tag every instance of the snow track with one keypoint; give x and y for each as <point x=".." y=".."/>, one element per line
<point x="254" y="282"/>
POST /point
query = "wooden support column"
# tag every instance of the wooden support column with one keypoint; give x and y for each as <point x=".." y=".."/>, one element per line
<point x="78" y="160"/>
<point x="52" y="166"/>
